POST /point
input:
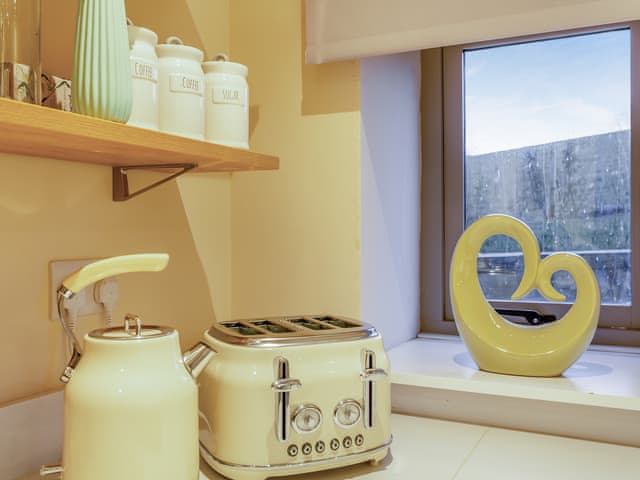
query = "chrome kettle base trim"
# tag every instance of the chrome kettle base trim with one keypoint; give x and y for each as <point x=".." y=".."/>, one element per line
<point x="282" y="469"/>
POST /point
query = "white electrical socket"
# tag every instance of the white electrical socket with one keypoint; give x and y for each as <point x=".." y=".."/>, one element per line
<point x="59" y="270"/>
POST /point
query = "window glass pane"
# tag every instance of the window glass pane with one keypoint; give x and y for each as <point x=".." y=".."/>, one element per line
<point x="547" y="140"/>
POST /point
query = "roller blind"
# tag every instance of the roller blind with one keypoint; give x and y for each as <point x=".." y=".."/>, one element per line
<point x="348" y="29"/>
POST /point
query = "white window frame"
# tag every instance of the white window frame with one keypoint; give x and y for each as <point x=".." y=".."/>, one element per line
<point x="442" y="219"/>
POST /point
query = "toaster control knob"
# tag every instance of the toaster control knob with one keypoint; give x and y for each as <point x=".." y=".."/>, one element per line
<point x="359" y="440"/>
<point x="292" y="450"/>
<point x="347" y="442"/>
<point x="307" y="449"/>
<point x="320" y="447"/>
<point x="334" y="444"/>
<point x="347" y="413"/>
<point x="307" y="419"/>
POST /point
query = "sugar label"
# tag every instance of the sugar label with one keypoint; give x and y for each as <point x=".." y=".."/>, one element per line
<point x="229" y="95"/>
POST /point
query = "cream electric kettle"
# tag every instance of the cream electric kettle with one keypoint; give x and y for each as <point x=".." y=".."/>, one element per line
<point x="131" y="404"/>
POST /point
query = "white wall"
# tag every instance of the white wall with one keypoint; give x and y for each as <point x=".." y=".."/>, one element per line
<point x="384" y="28"/>
<point x="390" y="185"/>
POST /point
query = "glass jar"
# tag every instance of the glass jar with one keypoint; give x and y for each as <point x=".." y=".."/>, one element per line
<point x="20" y="50"/>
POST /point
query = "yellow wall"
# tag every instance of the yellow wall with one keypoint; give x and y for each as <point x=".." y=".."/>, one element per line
<point x="201" y="23"/>
<point x="53" y="210"/>
<point x="296" y="232"/>
<point x="255" y="243"/>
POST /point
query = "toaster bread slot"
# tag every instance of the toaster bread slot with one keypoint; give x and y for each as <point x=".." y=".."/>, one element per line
<point x="242" y="329"/>
<point x="271" y="326"/>
<point x="274" y="332"/>
<point x="337" y="322"/>
<point x="308" y="323"/>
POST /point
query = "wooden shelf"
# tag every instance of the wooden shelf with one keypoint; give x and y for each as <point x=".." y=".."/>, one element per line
<point x="45" y="132"/>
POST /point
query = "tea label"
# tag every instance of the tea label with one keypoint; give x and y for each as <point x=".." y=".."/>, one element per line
<point x="143" y="69"/>
<point x="56" y="92"/>
<point x="229" y="95"/>
<point x="185" y="83"/>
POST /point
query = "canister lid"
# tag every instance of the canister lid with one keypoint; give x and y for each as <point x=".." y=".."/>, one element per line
<point x="133" y="329"/>
<point x="143" y="34"/>
<point x="221" y="64"/>
<point x="173" y="47"/>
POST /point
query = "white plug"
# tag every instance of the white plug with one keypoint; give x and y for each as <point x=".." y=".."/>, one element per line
<point x="107" y="293"/>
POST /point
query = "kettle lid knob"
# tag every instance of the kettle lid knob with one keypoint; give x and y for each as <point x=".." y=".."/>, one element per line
<point x="128" y="319"/>
<point x="133" y="329"/>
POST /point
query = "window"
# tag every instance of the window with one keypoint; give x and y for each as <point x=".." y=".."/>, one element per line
<point x="542" y="129"/>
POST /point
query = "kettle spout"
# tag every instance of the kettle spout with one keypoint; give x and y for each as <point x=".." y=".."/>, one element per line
<point x="197" y="358"/>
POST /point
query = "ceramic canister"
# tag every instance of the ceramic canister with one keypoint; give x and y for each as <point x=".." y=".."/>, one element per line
<point x="226" y="101"/>
<point x="144" y="77"/>
<point x="101" y="78"/>
<point x="180" y="89"/>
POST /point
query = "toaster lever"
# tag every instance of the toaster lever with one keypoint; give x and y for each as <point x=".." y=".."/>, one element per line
<point x="373" y="374"/>
<point x="370" y="375"/>
<point x="286" y="385"/>
<point x="283" y="385"/>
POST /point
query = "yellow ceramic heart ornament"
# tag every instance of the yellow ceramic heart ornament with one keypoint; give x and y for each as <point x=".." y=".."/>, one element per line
<point x="500" y="346"/>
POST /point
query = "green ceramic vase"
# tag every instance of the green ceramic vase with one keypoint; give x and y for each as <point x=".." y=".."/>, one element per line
<point x="101" y="81"/>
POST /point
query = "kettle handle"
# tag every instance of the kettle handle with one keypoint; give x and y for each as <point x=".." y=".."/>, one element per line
<point x="96" y="271"/>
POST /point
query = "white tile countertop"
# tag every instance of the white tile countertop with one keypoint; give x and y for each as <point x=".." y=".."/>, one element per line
<point x="597" y="400"/>
<point x="440" y="450"/>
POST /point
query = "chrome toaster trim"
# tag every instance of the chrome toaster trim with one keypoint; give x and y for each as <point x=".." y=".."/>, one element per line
<point x="283" y="385"/>
<point x="299" y="410"/>
<point x="370" y="375"/>
<point x="280" y="467"/>
<point x="340" y="404"/>
<point x="293" y="334"/>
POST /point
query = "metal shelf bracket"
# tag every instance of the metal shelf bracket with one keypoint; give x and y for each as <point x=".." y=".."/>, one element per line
<point x="121" y="190"/>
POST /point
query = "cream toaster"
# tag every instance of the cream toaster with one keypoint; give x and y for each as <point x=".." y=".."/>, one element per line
<point x="292" y="395"/>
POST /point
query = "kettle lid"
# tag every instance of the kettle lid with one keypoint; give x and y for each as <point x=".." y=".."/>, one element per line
<point x="132" y="329"/>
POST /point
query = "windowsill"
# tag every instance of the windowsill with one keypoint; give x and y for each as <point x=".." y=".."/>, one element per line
<point x="596" y="399"/>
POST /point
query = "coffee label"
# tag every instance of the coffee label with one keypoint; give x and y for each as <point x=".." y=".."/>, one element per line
<point x="141" y="68"/>
<point x="185" y="83"/>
